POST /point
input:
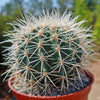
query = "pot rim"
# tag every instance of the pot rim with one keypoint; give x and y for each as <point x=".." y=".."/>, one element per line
<point x="88" y="74"/>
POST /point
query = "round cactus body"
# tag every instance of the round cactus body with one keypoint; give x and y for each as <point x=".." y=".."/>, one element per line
<point x="47" y="54"/>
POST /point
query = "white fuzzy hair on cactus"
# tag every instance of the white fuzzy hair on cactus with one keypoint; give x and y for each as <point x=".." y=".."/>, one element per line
<point x="48" y="53"/>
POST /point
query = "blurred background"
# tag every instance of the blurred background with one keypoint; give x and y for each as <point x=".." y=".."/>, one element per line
<point x="87" y="9"/>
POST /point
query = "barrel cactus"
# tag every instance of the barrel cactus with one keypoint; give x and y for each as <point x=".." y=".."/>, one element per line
<point x="48" y="54"/>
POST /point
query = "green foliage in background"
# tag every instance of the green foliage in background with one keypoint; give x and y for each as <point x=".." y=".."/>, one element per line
<point x="4" y="27"/>
<point x="81" y="8"/>
<point x="7" y="15"/>
<point x="4" y="19"/>
<point x="97" y="24"/>
<point x="91" y="4"/>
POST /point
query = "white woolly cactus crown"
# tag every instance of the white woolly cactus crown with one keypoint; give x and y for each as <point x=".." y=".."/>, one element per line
<point x="47" y="53"/>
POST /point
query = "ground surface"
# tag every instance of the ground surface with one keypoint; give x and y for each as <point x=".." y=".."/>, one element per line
<point x="95" y="92"/>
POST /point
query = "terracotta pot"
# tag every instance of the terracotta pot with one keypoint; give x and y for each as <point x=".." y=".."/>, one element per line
<point x="80" y="95"/>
